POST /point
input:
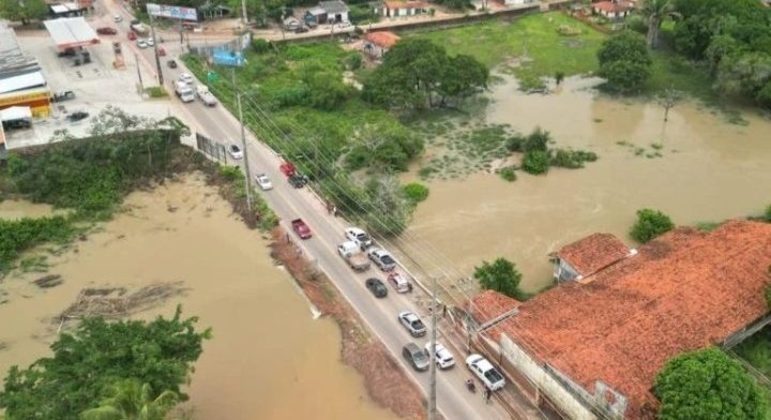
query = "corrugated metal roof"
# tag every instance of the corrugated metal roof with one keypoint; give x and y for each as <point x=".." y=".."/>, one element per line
<point x="21" y="82"/>
<point x="13" y="61"/>
<point x="71" y="32"/>
<point x="15" y="113"/>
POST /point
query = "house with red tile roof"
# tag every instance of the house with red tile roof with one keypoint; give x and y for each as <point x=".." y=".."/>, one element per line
<point x="589" y="255"/>
<point x="378" y="43"/>
<point x="490" y="306"/>
<point x="613" y="9"/>
<point x="592" y="349"/>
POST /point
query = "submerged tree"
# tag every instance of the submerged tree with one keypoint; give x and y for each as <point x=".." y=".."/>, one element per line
<point x="159" y="353"/>
<point x="668" y="99"/>
<point x="502" y="276"/>
<point x="131" y="400"/>
<point x="650" y="224"/>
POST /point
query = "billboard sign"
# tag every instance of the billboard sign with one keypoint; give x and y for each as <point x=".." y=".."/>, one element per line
<point x="172" y="12"/>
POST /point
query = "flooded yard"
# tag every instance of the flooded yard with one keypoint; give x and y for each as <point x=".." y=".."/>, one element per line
<point x="268" y="359"/>
<point x="697" y="167"/>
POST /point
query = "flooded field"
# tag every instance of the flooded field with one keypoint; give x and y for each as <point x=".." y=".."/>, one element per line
<point x="269" y="359"/>
<point x="697" y="167"/>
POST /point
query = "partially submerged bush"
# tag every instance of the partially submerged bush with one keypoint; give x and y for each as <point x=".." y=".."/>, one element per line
<point x="415" y="192"/>
<point x="508" y="173"/>
<point x="571" y="159"/>
<point x="536" y="162"/>
<point x="650" y="224"/>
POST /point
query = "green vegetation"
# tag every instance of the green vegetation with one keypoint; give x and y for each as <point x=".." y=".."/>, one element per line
<point x="767" y="214"/>
<point x="24" y="12"/>
<point x="502" y="276"/>
<point x="625" y="62"/>
<point x="508" y="173"/>
<point x="235" y="187"/>
<point x="21" y="235"/>
<point x="531" y="47"/>
<point x="88" y="364"/>
<point x="156" y="92"/>
<point x="756" y="349"/>
<point x="296" y="100"/>
<point x="130" y="399"/>
<point x="650" y="224"/>
<point x="733" y="37"/>
<point x="417" y="74"/>
<point x="536" y="162"/>
<point x="708" y="384"/>
<point x="416" y="192"/>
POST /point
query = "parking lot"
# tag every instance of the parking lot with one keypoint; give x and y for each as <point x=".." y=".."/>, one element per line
<point x="95" y="85"/>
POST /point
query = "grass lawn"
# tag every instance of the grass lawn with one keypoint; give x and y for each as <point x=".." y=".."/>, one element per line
<point x="534" y="37"/>
<point x="546" y="52"/>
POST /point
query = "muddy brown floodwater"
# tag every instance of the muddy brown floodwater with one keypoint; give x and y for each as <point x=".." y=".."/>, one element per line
<point x="709" y="170"/>
<point x="269" y="359"/>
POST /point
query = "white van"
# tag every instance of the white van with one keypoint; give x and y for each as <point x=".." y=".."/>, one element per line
<point x="184" y="92"/>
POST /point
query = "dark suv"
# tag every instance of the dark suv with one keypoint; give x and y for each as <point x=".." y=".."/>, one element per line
<point x="416" y="356"/>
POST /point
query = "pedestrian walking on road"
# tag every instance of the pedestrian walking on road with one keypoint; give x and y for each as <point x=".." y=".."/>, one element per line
<point x="488" y="394"/>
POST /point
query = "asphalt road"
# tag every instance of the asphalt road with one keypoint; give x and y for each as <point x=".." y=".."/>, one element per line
<point x="453" y="399"/>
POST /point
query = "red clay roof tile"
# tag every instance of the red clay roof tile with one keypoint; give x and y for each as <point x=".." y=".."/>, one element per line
<point x="489" y="305"/>
<point x="686" y="290"/>
<point x="593" y="253"/>
<point x="383" y="39"/>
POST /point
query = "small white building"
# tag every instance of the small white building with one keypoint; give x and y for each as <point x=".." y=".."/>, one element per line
<point x="613" y="9"/>
<point x="395" y="8"/>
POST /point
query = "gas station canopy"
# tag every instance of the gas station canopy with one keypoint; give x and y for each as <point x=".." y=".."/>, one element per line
<point x="71" y="32"/>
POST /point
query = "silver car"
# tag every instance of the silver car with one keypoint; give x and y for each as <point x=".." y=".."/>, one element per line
<point x="416" y="356"/>
<point x="412" y="323"/>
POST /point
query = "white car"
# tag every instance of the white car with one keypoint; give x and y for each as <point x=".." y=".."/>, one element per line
<point x="359" y="236"/>
<point x="186" y="77"/>
<point x="235" y="152"/>
<point x="444" y="359"/>
<point x="141" y="43"/>
<point x="205" y="96"/>
<point x="412" y="323"/>
<point x="486" y="372"/>
<point x="150" y="42"/>
<point x="117" y="18"/>
<point x="263" y="181"/>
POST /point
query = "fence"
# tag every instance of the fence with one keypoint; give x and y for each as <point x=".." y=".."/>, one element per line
<point x="211" y="148"/>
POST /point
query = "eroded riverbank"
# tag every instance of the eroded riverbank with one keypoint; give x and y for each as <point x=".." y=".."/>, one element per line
<point x="268" y="359"/>
<point x="708" y="170"/>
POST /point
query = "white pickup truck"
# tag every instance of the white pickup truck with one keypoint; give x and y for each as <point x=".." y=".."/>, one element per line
<point x="205" y="96"/>
<point x="353" y="255"/>
<point x="184" y="92"/>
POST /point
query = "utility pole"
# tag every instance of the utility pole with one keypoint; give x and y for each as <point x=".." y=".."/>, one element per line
<point x="244" y="20"/>
<point x="155" y="50"/>
<point x="432" y="355"/>
<point x="247" y="173"/>
<point x="139" y="74"/>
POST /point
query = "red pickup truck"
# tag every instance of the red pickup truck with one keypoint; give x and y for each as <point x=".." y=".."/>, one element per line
<point x="301" y="229"/>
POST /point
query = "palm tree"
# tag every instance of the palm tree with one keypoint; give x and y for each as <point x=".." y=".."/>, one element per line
<point x="132" y="400"/>
<point x="656" y="11"/>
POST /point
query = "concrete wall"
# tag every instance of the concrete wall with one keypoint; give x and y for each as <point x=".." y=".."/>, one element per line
<point x="563" y="399"/>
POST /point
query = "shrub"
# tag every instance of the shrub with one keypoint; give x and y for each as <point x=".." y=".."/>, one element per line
<point x="767" y="215"/>
<point x="508" y="173"/>
<point x="17" y="236"/>
<point x="537" y="140"/>
<point x="261" y="46"/>
<point x="515" y="143"/>
<point x="156" y="92"/>
<point x="415" y="192"/>
<point x="650" y="224"/>
<point x="502" y="276"/>
<point x="536" y="162"/>
<point x="353" y="61"/>
<point x="571" y="159"/>
<point x="637" y="24"/>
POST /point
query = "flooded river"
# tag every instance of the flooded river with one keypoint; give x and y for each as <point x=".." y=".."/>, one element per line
<point x="696" y="167"/>
<point x="268" y="359"/>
